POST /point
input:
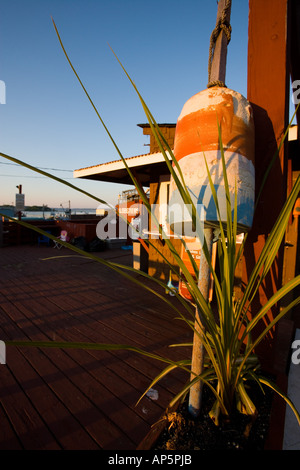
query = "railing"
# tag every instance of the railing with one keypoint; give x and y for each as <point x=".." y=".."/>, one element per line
<point x="12" y="233"/>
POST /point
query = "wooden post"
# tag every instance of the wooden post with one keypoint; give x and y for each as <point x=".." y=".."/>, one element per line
<point x="19" y="218"/>
<point x="197" y="367"/>
<point x="1" y="232"/>
<point x="218" y="64"/>
<point x="20" y="192"/>
<point x="217" y="72"/>
<point x="268" y="93"/>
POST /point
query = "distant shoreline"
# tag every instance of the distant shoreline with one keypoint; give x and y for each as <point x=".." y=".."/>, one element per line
<point x="56" y="213"/>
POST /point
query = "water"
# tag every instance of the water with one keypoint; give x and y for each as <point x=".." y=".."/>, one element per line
<point x="56" y="213"/>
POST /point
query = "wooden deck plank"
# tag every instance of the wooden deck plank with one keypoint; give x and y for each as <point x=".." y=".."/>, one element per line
<point x="25" y="420"/>
<point x="113" y="372"/>
<point x="54" y="367"/>
<point x="81" y="306"/>
<point x="131" y="336"/>
<point x="65" y="429"/>
<point x="138" y="333"/>
<point x="63" y="390"/>
<point x="92" y="393"/>
<point x="91" y="334"/>
<point x="113" y="336"/>
<point x="8" y="438"/>
<point x="106" y="334"/>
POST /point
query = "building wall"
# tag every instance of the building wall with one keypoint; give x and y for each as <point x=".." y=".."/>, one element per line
<point x="168" y="131"/>
<point x="157" y="267"/>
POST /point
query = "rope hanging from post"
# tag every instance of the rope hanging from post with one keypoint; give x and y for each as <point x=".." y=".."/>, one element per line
<point x="221" y="25"/>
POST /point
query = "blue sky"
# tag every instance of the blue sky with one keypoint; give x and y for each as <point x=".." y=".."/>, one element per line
<point x="48" y="122"/>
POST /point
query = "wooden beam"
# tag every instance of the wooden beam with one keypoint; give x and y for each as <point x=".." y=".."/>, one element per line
<point x="295" y="50"/>
<point x="217" y="72"/>
<point x="219" y="59"/>
<point x="268" y="92"/>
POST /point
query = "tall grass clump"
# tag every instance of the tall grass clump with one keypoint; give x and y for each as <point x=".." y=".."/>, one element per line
<point x="226" y="332"/>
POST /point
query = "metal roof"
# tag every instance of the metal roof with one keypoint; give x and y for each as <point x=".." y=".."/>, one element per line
<point x="115" y="172"/>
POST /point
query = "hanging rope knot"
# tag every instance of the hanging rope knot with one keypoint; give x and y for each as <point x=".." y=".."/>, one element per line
<point x="216" y="83"/>
<point x="221" y="25"/>
<point x="226" y="27"/>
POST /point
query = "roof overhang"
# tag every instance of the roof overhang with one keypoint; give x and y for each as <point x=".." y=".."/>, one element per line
<point x="143" y="166"/>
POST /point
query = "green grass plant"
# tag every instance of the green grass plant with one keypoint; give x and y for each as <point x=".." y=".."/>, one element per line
<point x="227" y="332"/>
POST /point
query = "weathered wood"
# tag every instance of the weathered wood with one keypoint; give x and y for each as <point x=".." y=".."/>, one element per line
<point x="294" y="43"/>
<point x="75" y="399"/>
<point x="218" y="65"/>
<point x="217" y="72"/>
<point x="268" y="85"/>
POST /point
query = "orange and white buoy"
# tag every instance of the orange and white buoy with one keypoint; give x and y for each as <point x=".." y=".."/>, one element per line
<point x="197" y="139"/>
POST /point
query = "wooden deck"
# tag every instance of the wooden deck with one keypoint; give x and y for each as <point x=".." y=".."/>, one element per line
<point x="76" y="399"/>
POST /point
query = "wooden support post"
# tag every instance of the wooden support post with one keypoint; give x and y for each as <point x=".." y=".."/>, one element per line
<point x="19" y="218"/>
<point x="268" y="93"/>
<point x="197" y="367"/>
<point x="217" y="72"/>
<point x="218" y="63"/>
<point x="1" y="231"/>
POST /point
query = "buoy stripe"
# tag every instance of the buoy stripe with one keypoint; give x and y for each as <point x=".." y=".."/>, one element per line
<point x="196" y="137"/>
<point x="198" y="132"/>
